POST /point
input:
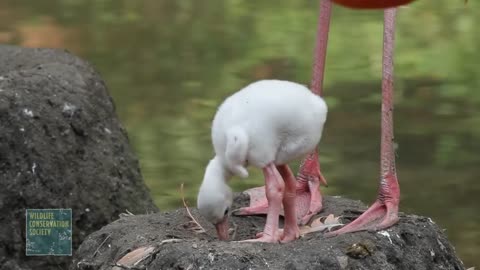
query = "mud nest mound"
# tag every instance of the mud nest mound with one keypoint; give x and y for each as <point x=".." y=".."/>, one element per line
<point x="167" y="241"/>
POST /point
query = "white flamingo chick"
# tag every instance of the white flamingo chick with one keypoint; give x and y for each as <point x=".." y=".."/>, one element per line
<point x="266" y="124"/>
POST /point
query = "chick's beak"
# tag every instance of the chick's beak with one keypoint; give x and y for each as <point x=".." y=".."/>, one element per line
<point x="222" y="229"/>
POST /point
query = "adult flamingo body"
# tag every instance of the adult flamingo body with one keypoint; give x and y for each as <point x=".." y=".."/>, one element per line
<point x="372" y="4"/>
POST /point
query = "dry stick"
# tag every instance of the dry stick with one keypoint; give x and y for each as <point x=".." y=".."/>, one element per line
<point x="172" y="240"/>
<point x="235" y="227"/>
<point x="126" y="214"/>
<point x="188" y="210"/>
<point x="103" y="242"/>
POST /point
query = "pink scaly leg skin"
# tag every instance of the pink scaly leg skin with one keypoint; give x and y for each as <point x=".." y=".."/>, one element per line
<point x="309" y="180"/>
<point x="384" y="212"/>
<point x="290" y="230"/>
<point x="275" y="187"/>
<point x="308" y="198"/>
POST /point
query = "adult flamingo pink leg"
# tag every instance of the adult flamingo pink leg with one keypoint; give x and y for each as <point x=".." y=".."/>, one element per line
<point x="308" y="197"/>
<point x="383" y="213"/>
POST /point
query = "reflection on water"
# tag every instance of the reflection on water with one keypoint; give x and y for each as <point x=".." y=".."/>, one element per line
<point x="168" y="64"/>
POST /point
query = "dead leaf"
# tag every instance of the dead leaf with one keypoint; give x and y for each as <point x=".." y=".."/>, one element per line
<point x="134" y="257"/>
<point x="317" y="225"/>
<point x="316" y="222"/>
<point x="331" y="219"/>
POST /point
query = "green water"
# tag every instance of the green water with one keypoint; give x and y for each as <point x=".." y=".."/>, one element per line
<point x="168" y="65"/>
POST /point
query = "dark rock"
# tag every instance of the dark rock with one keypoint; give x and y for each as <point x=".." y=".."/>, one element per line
<point x="61" y="146"/>
<point x="414" y="243"/>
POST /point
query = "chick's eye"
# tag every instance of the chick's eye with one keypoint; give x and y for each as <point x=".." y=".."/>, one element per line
<point x="226" y="212"/>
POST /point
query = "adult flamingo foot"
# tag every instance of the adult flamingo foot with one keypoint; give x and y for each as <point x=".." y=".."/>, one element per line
<point x="309" y="180"/>
<point x="382" y="214"/>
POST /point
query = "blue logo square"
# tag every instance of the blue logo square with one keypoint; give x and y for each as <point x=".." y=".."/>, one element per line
<point x="49" y="232"/>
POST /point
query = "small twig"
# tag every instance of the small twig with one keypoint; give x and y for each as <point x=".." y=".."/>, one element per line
<point x="235" y="227"/>
<point x="172" y="240"/>
<point x="103" y="242"/>
<point x="173" y="236"/>
<point x="188" y="210"/>
<point x="126" y="214"/>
